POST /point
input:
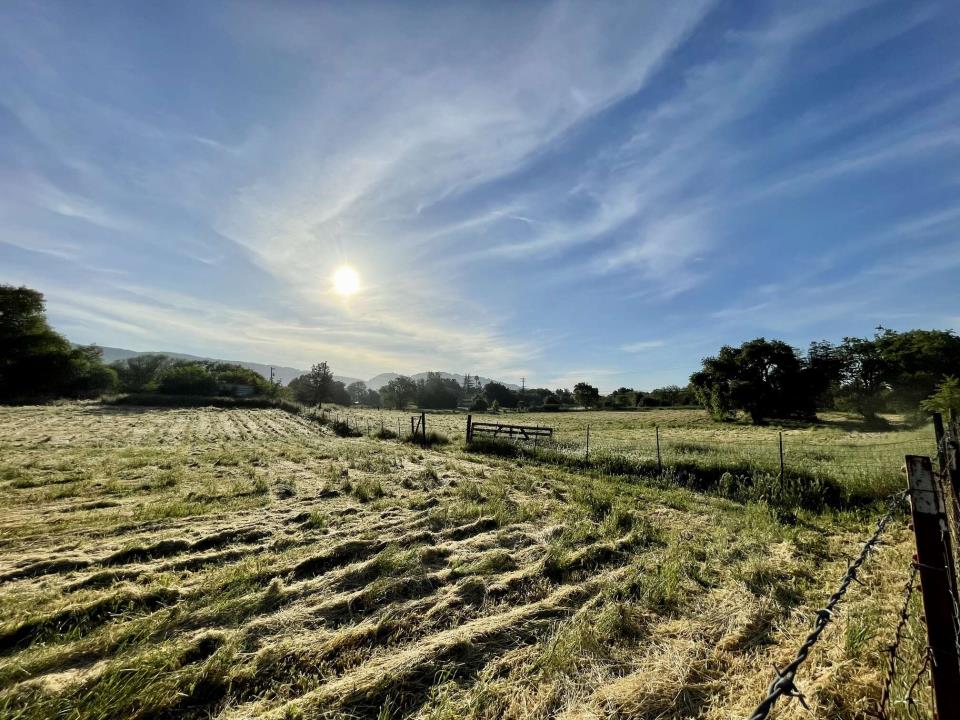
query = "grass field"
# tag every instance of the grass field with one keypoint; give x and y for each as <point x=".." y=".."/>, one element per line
<point x="840" y="448"/>
<point x="168" y="563"/>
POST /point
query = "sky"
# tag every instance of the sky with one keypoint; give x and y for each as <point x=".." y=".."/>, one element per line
<point x="555" y="191"/>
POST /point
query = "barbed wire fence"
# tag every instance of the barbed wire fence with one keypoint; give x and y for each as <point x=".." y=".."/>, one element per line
<point x="934" y="520"/>
<point x="784" y="683"/>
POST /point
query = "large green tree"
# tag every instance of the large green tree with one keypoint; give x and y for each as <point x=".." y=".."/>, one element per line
<point x="358" y="391"/>
<point x="438" y="392"/>
<point x="763" y="378"/>
<point x="314" y="387"/>
<point x="864" y="377"/>
<point x="140" y="373"/>
<point x="916" y="361"/>
<point x="37" y="363"/>
<point x="399" y="392"/>
<point x="499" y="393"/>
<point x="586" y="395"/>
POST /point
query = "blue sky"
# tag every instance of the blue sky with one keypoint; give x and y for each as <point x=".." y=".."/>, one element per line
<point x="554" y="190"/>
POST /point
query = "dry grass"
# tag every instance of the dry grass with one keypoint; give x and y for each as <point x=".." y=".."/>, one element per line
<point x="203" y="563"/>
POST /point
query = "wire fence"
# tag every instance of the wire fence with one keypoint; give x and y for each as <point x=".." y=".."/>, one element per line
<point x="867" y="462"/>
<point x="784" y="683"/>
<point x="924" y="652"/>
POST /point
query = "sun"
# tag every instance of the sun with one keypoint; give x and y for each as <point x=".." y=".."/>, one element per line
<point x="346" y="281"/>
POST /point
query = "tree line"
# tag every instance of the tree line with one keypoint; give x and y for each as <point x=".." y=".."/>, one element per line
<point x="906" y="372"/>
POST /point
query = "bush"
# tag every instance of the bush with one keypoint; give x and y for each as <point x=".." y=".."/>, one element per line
<point x="342" y="428"/>
<point x="156" y="400"/>
<point x="192" y="379"/>
<point x="479" y="404"/>
<point x="432" y="438"/>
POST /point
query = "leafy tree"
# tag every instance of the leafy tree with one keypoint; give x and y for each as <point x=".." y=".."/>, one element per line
<point x="499" y="393"/>
<point x="358" y="391"/>
<point x="762" y="378"/>
<point x="437" y="392"/>
<point x="188" y="379"/>
<point x="916" y="362"/>
<point x="231" y="374"/>
<point x="537" y="397"/>
<point x="88" y="376"/>
<point x="140" y="373"/>
<point x="586" y="395"/>
<point x="621" y="398"/>
<point x="371" y="398"/>
<point x="479" y="404"/>
<point x="399" y="392"/>
<point x="668" y="396"/>
<point x="826" y="366"/>
<point x="314" y="387"/>
<point x="946" y="398"/>
<point x="892" y="369"/>
<point x="338" y="393"/>
<point x="864" y="372"/>
<point x="37" y="363"/>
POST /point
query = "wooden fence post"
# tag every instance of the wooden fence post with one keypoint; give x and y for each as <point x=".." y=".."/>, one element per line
<point x="469" y="428"/>
<point x="399" y="439"/>
<point x="935" y="563"/>
<point x="659" y="460"/>
<point x="423" y="427"/>
<point x="587" y="456"/>
<point x="781" y="457"/>
<point x="412" y="431"/>
<point x="941" y="441"/>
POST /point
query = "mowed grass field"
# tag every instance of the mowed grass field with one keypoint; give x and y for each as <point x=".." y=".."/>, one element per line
<point x="195" y="563"/>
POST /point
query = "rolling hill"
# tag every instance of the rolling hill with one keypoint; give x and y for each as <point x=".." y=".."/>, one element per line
<point x="283" y="373"/>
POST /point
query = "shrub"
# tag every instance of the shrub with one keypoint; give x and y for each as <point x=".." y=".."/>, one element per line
<point x="193" y="379"/>
<point x="479" y="404"/>
<point x="342" y="428"/>
<point x="432" y="438"/>
<point x="385" y="433"/>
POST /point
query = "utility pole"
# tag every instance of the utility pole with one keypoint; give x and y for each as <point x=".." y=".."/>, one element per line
<point x="271" y="375"/>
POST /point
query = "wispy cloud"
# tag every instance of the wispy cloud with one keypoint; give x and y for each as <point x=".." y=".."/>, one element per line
<point x="642" y="345"/>
<point x="520" y="187"/>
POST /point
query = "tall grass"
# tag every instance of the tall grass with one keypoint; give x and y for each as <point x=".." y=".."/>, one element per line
<point x="738" y="481"/>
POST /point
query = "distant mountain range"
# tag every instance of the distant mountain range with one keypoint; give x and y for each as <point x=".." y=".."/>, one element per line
<point x="282" y="373"/>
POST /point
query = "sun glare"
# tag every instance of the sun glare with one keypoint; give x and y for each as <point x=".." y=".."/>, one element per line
<point x="346" y="281"/>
